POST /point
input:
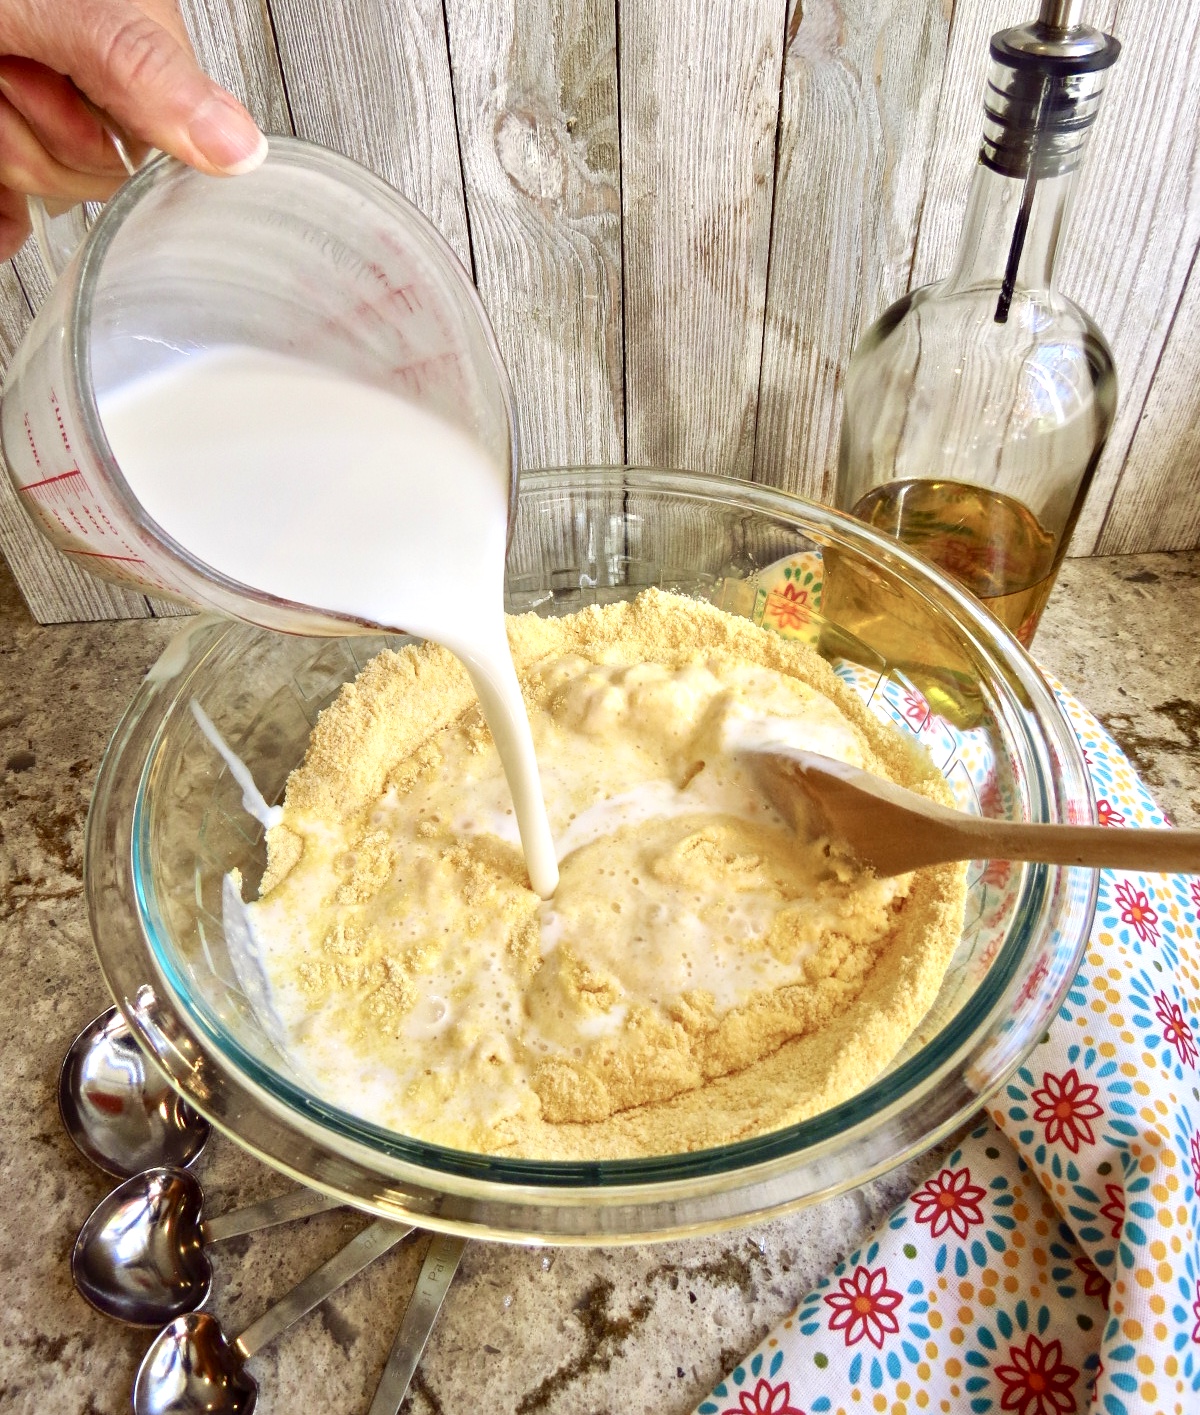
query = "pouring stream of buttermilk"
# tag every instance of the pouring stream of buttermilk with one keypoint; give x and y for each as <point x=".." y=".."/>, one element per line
<point x="316" y="488"/>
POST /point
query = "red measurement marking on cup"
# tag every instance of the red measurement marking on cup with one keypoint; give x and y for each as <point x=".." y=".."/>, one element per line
<point x="74" y="475"/>
<point x="69" y="495"/>
<point x="407" y="295"/>
<point x="32" y="444"/>
<point x="103" y="555"/>
<point x="58" y="418"/>
<point x="416" y="377"/>
<point x="64" y="496"/>
<point x="60" y="499"/>
<point x="130" y="570"/>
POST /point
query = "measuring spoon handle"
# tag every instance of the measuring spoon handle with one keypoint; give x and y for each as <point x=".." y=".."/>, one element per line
<point x="299" y="1203"/>
<point x="437" y="1273"/>
<point x="359" y="1253"/>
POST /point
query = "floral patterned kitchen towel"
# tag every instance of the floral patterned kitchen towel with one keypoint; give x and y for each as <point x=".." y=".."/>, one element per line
<point x="1051" y="1266"/>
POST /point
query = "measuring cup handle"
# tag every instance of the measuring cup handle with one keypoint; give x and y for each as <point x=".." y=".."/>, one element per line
<point x="59" y="233"/>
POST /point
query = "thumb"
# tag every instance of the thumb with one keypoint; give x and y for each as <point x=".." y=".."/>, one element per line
<point x="138" y="72"/>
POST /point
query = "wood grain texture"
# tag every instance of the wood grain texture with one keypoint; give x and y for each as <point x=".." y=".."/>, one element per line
<point x="235" y="44"/>
<point x="33" y="278"/>
<point x="1156" y="504"/>
<point x="1138" y="217"/>
<point x="699" y="110"/>
<point x="371" y="78"/>
<point x="1139" y="220"/>
<point x="535" y="86"/>
<point x="860" y="95"/>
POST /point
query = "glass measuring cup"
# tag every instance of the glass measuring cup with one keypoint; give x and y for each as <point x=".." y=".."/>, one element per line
<point x="310" y="255"/>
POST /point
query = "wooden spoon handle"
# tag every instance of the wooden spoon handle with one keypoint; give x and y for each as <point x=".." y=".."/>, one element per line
<point x="1098" y="846"/>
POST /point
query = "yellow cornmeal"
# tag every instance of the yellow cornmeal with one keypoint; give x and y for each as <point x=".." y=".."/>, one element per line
<point x="703" y="973"/>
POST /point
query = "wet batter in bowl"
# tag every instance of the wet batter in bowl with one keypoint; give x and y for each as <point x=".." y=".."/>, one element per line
<point x="702" y="973"/>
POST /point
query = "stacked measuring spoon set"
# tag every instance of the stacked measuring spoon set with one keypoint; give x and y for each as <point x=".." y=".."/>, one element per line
<point x="141" y="1256"/>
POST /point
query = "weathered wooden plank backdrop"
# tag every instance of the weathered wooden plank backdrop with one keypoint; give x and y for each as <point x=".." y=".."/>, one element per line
<point x="680" y="215"/>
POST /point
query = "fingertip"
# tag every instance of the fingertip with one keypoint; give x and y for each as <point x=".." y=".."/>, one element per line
<point x="226" y="137"/>
<point x="255" y="160"/>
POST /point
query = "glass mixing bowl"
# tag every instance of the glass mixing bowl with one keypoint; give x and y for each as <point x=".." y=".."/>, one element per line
<point x="167" y="824"/>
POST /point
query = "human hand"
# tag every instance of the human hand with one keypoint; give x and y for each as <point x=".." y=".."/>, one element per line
<point x="71" y="69"/>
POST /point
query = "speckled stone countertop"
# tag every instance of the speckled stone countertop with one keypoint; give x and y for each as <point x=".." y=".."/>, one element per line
<point x="523" y="1330"/>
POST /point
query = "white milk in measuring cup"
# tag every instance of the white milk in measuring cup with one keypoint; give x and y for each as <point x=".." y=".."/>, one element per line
<point x="277" y="396"/>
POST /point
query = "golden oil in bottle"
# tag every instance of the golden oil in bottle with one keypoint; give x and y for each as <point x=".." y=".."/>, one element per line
<point x="990" y="543"/>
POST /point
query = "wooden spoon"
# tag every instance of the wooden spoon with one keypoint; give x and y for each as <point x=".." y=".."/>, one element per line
<point x="894" y="830"/>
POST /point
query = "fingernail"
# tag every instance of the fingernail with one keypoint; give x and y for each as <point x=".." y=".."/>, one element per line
<point x="227" y="136"/>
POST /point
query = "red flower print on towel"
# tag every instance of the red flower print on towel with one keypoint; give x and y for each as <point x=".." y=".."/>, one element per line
<point x="1137" y="911"/>
<point x="1039" y="1381"/>
<point x="1194" y="891"/>
<point x="864" y="1307"/>
<point x="950" y="1201"/>
<point x="991" y="798"/>
<point x="765" y="1399"/>
<point x="1033" y="983"/>
<point x="1114" y="1210"/>
<point x="1196" y="1313"/>
<point x="1176" y="1031"/>
<point x="1065" y="1106"/>
<point x="788" y="607"/>
<point x="996" y="873"/>
<point x="1194" y="1155"/>
<point x="915" y="709"/>
<point x="1095" y="1284"/>
<point x="1107" y="813"/>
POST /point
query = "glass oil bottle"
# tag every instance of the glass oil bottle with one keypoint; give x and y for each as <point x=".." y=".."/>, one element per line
<point x="976" y="409"/>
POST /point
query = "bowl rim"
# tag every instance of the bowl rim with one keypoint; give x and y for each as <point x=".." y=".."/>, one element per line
<point x="702" y="1189"/>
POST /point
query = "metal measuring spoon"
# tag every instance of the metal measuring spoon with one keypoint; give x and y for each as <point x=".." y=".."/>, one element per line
<point x="433" y="1282"/>
<point x="120" y="1112"/>
<point x="140" y="1255"/>
<point x="193" y="1368"/>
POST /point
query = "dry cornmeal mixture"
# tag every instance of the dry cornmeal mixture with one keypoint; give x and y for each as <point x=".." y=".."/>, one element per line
<point x="703" y="973"/>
